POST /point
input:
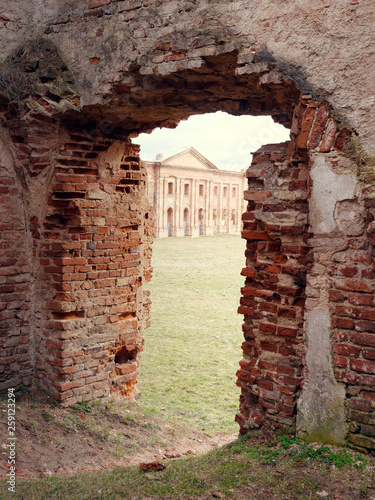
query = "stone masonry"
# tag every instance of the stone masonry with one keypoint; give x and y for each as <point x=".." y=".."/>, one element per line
<point x="78" y="81"/>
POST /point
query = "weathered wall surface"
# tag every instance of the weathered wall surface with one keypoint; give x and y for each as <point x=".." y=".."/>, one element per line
<point x="308" y="296"/>
<point x="73" y="263"/>
<point x="16" y="353"/>
<point x="94" y="73"/>
<point x="321" y="41"/>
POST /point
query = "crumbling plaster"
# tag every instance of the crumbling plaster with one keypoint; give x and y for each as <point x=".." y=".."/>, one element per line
<point x="328" y="42"/>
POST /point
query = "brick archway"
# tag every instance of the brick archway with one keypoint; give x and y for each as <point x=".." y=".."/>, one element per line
<point x="306" y="300"/>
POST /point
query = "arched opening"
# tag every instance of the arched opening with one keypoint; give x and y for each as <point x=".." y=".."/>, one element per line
<point x="234" y="218"/>
<point x="186" y="222"/>
<point x="214" y="219"/>
<point x="201" y="222"/>
<point x="170" y="227"/>
<point x="179" y="325"/>
<point x="101" y="246"/>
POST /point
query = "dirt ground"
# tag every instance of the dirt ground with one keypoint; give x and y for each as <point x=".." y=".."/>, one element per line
<point x="56" y="441"/>
<point x="52" y="440"/>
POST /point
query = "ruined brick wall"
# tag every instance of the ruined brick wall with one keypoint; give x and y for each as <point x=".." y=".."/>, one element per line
<point x="308" y="295"/>
<point x="317" y="41"/>
<point x="88" y="240"/>
<point x="276" y="230"/>
<point x="15" y="275"/>
<point x="76" y="228"/>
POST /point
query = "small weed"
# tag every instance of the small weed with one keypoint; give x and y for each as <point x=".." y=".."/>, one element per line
<point x="83" y="406"/>
<point x="33" y="425"/>
<point x="20" y="391"/>
<point x="119" y="450"/>
<point x="104" y="433"/>
<point x="48" y="415"/>
<point x="341" y="458"/>
<point x="287" y="441"/>
<point x="363" y="491"/>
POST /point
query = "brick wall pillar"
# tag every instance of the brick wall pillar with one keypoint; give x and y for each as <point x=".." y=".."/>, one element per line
<point x="16" y="286"/>
<point x="309" y="292"/>
<point x="87" y="229"/>
<point x="91" y="259"/>
<point x="275" y="227"/>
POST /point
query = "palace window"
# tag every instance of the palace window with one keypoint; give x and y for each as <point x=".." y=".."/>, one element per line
<point x="170" y="187"/>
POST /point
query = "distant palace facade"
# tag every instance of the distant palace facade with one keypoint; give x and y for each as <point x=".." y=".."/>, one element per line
<point x="192" y="197"/>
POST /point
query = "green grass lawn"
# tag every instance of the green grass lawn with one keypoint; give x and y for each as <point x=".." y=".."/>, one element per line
<point x="192" y="348"/>
<point x="243" y="470"/>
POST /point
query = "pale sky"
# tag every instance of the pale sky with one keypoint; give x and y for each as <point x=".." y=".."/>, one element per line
<point x="226" y="140"/>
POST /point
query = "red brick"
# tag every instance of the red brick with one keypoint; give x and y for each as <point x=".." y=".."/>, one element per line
<point x="359" y="365"/>
<point x="369" y="394"/>
<point x="287" y="389"/>
<point x="69" y="385"/>
<point x="340" y="361"/>
<point x="266" y="404"/>
<point x="268" y="346"/>
<point x="297" y="185"/>
<point x="348" y="271"/>
<point x="244" y="375"/>
<point x="319" y="126"/>
<point x="280" y="258"/>
<point x="360" y="299"/>
<point x="286" y="351"/>
<point x="368" y="430"/>
<point x="343" y="323"/>
<point x="367" y="380"/>
<point x="342" y="139"/>
<point x="273" y="269"/>
<point x="250" y="273"/>
<point x="306" y="125"/>
<point x="273" y="207"/>
<point x="285" y="369"/>
<point x="356" y="312"/>
<point x="353" y="285"/>
<point x="286" y="409"/>
<point x="360" y="404"/>
<point x="329" y="136"/>
<point x="365" y="326"/>
<point x="286" y="332"/>
<point x="267" y="365"/>
<point x="346" y="377"/>
<point x="357" y="439"/>
<point x="369" y="353"/>
<point x="268" y="306"/>
<point x="248" y="235"/>
<point x="98" y="3"/>
<point x="264" y="327"/>
<point x="336" y="296"/>
<point x="245" y="365"/>
<point x="265" y="384"/>
<point x="292" y="381"/>
<point x="347" y="350"/>
<point x="363" y="338"/>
